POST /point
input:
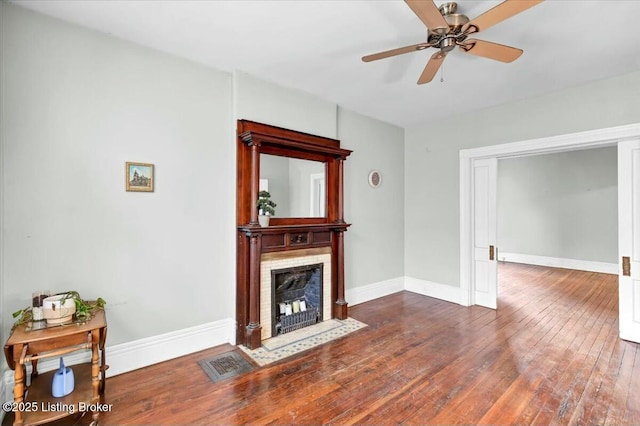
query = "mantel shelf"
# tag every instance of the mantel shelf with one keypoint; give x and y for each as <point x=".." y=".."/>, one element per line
<point x="278" y="229"/>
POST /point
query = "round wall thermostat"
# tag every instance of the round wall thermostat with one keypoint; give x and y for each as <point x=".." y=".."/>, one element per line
<point x="375" y="178"/>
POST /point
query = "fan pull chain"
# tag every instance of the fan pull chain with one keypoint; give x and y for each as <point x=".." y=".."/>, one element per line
<point x="442" y="73"/>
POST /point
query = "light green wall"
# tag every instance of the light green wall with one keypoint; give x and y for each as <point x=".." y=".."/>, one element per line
<point x="432" y="190"/>
<point x="79" y="104"/>
<point x="3" y="335"/>
<point x="374" y="245"/>
<point x="260" y="101"/>
<point x="562" y="205"/>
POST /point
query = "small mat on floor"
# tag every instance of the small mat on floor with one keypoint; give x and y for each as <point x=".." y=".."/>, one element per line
<point x="225" y="366"/>
<point x="288" y="344"/>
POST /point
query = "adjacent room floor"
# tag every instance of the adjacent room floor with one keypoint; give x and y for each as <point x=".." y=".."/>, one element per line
<point x="550" y="354"/>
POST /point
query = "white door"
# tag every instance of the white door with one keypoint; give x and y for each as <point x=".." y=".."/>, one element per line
<point x="484" y="207"/>
<point x="629" y="239"/>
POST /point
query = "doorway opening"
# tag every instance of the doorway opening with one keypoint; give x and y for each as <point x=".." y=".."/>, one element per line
<point x="559" y="210"/>
<point x="471" y="265"/>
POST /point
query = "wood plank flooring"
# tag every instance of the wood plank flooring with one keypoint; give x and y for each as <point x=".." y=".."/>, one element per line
<point x="550" y="354"/>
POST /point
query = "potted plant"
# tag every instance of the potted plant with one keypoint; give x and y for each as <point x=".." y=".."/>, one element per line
<point x="265" y="208"/>
<point x="82" y="309"/>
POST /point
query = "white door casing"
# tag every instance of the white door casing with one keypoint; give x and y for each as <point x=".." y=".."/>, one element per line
<point x="629" y="239"/>
<point x="484" y="207"/>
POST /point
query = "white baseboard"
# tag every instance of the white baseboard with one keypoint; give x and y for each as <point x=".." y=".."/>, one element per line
<point x="431" y="289"/>
<point x="152" y="350"/>
<point x="369" y="292"/>
<point x="373" y="291"/>
<point x="557" y="262"/>
<point x="143" y="352"/>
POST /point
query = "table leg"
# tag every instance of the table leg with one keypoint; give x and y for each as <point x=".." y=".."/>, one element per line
<point x="34" y="368"/>
<point x="95" y="373"/>
<point x="18" y="391"/>
<point x="103" y="361"/>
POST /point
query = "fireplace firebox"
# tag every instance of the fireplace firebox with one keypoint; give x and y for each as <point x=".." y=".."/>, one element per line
<point x="296" y="295"/>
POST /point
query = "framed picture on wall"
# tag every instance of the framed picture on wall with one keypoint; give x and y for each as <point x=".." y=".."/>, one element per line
<point x="139" y="177"/>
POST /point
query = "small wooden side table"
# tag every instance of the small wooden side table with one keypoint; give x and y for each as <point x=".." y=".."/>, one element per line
<point x="34" y="404"/>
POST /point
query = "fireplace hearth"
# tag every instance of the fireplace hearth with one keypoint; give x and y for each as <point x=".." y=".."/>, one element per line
<point x="296" y="295"/>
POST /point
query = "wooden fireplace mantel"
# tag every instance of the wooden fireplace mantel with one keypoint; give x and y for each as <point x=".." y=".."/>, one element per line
<point x="286" y="233"/>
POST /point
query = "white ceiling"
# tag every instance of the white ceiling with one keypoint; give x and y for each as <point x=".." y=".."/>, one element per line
<point x="316" y="46"/>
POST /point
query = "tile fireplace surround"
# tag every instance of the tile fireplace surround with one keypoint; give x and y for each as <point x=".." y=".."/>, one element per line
<point x="289" y="259"/>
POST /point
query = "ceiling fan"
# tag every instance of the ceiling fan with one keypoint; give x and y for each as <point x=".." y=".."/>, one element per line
<point x="448" y="29"/>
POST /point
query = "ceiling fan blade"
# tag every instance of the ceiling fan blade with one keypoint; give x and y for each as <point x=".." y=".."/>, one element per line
<point x="493" y="16"/>
<point x="429" y="14"/>
<point x="432" y="67"/>
<point x="394" y="52"/>
<point x="495" y="51"/>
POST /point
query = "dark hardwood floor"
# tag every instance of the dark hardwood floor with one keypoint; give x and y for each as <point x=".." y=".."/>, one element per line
<point x="550" y="354"/>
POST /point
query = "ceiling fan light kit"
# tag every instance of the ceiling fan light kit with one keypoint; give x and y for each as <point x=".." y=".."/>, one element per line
<point x="448" y="29"/>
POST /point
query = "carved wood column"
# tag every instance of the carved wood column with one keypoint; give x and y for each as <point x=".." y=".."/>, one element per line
<point x="341" y="190"/>
<point x="255" y="182"/>
<point x="340" y="309"/>
<point x="253" y="332"/>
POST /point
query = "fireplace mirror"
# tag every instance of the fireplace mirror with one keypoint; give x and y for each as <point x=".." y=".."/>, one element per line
<point x="297" y="186"/>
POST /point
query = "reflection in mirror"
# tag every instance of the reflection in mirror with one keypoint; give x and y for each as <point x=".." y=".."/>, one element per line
<point x="297" y="186"/>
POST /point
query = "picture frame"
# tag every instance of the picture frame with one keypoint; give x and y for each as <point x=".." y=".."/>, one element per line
<point x="139" y="177"/>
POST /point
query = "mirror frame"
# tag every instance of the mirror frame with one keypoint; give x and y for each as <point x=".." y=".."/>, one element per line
<point x="255" y="138"/>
